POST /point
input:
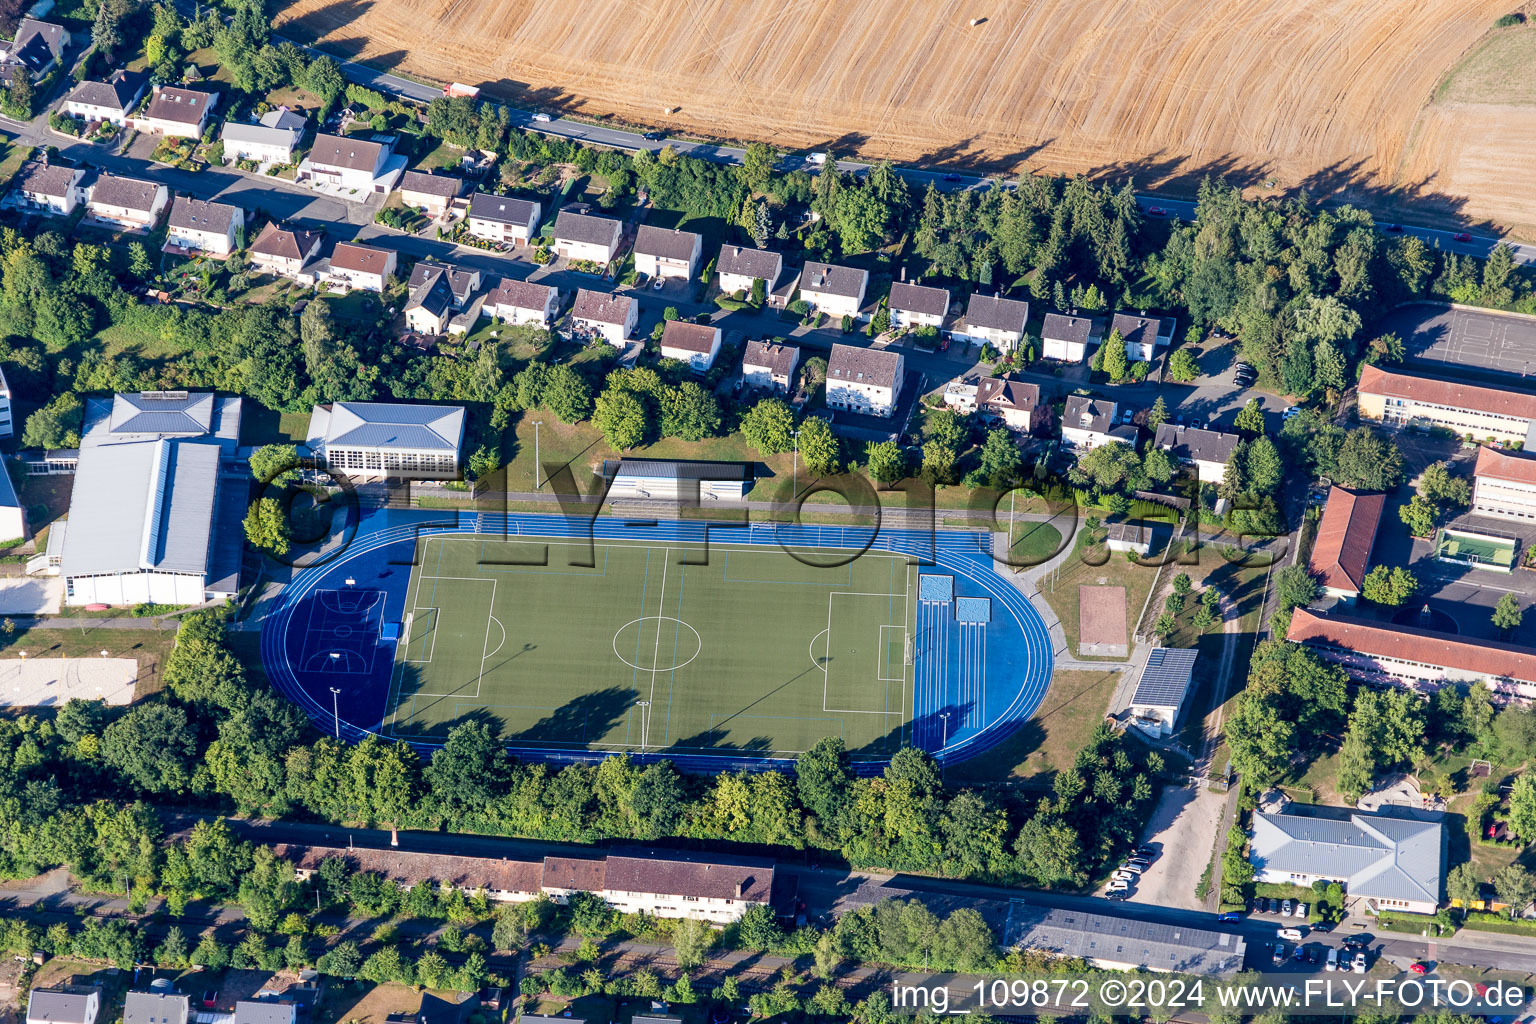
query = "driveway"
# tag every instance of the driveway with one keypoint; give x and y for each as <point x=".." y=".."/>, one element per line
<point x="1183" y="827"/>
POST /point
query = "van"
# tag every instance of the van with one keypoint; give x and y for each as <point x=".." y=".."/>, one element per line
<point x="1291" y="934"/>
<point x="1333" y="959"/>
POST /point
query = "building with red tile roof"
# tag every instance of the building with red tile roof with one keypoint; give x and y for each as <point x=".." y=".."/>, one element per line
<point x="1342" y="552"/>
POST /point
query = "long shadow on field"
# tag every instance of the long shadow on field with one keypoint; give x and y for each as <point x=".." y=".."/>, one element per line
<point x="583" y="720"/>
<point x="927" y="731"/>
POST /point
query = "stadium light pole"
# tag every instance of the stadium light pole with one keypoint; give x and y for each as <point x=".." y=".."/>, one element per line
<point x="644" y="714"/>
<point x="336" y="704"/>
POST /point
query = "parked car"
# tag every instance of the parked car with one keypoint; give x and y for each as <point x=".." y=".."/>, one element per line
<point x="1146" y="851"/>
<point x="1351" y="941"/>
<point x="1118" y="895"/>
<point x="1314" y="954"/>
<point x="1229" y="917"/>
<point x="1293" y="934"/>
<point x="1285" y="908"/>
<point x="1301" y="910"/>
<point x="1118" y="885"/>
<point x="1360" y="963"/>
<point x="1418" y="968"/>
<point x="1133" y="867"/>
<point x="1294" y="410"/>
<point x="1279" y="956"/>
<point x="1461" y="236"/>
<point x="210" y="998"/>
<point x="1300" y="956"/>
<point x="1122" y="875"/>
<point x="1332" y="964"/>
<point x="1128" y="416"/>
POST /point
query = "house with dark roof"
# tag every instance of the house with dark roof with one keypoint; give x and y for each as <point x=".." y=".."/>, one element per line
<point x="1345" y="535"/>
<point x="691" y="343"/>
<point x="282" y="250"/>
<point x="431" y="193"/>
<point x="126" y="204"/>
<point x="1087" y="422"/>
<point x="1387" y="654"/>
<point x="49" y="189"/>
<point x="1387" y="862"/>
<point x="1011" y="400"/>
<point x="441" y="298"/>
<point x="605" y="315"/>
<point x="364" y="267"/>
<point x="667" y="252"/>
<point x="993" y="320"/>
<point x="387" y="439"/>
<point x="718" y="889"/>
<point x="502" y="219"/>
<point x="917" y="305"/>
<point x="864" y="380"/>
<point x="1067" y="337"/>
<point x="676" y="480"/>
<point x="563" y="877"/>
<point x="1143" y="335"/>
<point x="1397" y="399"/>
<point x="1504" y="485"/>
<point x="513" y="301"/>
<point x="1119" y="943"/>
<point x="835" y="291"/>
<point x="64" y="1004"/>
<point x="111" y="100"/>
<point x="739" y="267"/>
<point x="770" y="365"/>
<point x="156" y="1007"/>
<point x="351" y="166"/>
<point x="151" y="517"/>
<point x="203" y="226"/>
<point x="1208" y="451"/>
<point x="502" y="880"/>
<point x="177" y="112"/>
<point x="1162" y="690"/>
<point x="581" y="236"/>
<point x="35" y="50"/>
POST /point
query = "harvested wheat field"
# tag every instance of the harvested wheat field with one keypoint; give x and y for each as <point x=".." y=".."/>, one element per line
<point x="1319" y="92"/>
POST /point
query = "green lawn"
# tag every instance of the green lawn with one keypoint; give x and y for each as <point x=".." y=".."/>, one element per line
<point x="752" y="651"/>
<point x="1073" y="707"/>
<point x="1093" y="564"/>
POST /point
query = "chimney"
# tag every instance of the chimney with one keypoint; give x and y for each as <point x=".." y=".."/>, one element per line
<point x="903" y="272"/>
<point x="741" y="888"/>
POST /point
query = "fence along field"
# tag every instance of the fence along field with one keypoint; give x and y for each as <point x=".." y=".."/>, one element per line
<point x="1284" y="88"/>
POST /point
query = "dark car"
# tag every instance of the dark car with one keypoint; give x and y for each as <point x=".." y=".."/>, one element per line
<point x="1394" y="228"/>
<point x="951" y="177"/>
<point x="1146" y="851"/>
<point x="1156" y="211"/>
<point x="1461" y="236"/>
<point x="653" y="136"/>
<point x="1357" y="940"/>
<point x="1314" y="954"/>
<point x="1118" y="895"/>
<point x="1300" y="955"/>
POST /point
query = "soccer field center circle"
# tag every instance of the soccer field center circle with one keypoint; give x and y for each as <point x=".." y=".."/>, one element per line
<point x="920" y="675"/>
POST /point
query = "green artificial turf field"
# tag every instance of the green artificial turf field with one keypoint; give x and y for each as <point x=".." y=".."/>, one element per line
<point x="754" y="652"/>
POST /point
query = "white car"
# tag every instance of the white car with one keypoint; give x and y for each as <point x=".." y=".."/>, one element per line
<point x="1359" y="964"/>
<point x="542" y="117"/>
<point x="1123" y="875"/>
<point x="1118" y="885"/>
<point x="1301" y="910"/>
<point x="1290" y="934"/>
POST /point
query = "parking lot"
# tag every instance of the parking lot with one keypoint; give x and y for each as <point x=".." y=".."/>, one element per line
<point x="1471" y="342"/>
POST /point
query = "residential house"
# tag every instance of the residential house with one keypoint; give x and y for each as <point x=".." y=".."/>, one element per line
<point x="695" y="344"/>
<point x="522" y="302"/>
<point x="1342" y="551"/>
<point x="581" y="236"/>
<point x="49" y="189"/>
<point x="156" y="1007"/>
<point x="994" y="320"/>
<point x="1143" y="335"/>
<point x="835" y="291"/>
<point x="1386" y="654"/>
<point x="918" y="305"/>
<point x="435" y="292"/>
<point x="564" y="877"/>
<point x="350" y="164"/>
<point x="387" y="439"/>
<point x="739" y="268"/>
<point x="502" y="880"/>
<point x="678" y="479"/>
<point x="1088" y="422"/>
<point x="864" y="380"/>
<point x="433" y="194"/>
<point x="770" y="365"/>
<point x="7" y="421"/>
<point x="1397" y="399"/>
<point x="269" y="142"/>
<point x="364" y="267"/>
<point x="111" y="100"/>
<point x="152" y="516"/>
<point x="1162" y="690"/>
<point x="604" y="315"/>
<point x="283" y="251"/>
<point x="1504" y="485"/>
<point x="1067" y="337"/>
<point x="667" y="253"/>
<point x="502" y="219"/>
<point x="266" y="1011"/>
<point x="719" y="889"/>
<point x="1208" y="450"/>
<point x="1010" y="400"/>
<point x="64" y="1004"/>
<point x="177" y="112"/>
<point x="129" y="204"/>
<point x="1391" y="863"/>
<point x="36" y="49"/>
<point x="1116" y="943"/>
<point x="203" y="226"/>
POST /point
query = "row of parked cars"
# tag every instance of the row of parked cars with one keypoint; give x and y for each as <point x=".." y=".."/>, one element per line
<point x="1128" y="873"/>
<point x="1285" y="908"/>
<point x="1352" y="957"/>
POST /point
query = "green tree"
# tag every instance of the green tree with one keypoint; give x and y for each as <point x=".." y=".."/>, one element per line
<point x="153" y="745"/>
<point x="818" y="447"/>
<point x="1369" y="462"/>
<point x="622" y="418"/>
<point x="948" y="428"/>
<point x="1463" y="885"/>
<point x="275" y="464"/>
<point x="1522" y="808"/>
<point x="1419" y="515"/>
<point x="138" y="261"/>
<point x="1516" y="886"/>
<point x="938" y="464"/>
<point x="55" y="425"/>
<point x="509" y="930"/>
<point x="1356" y="766"/>
<point x="1438" y="483"/>
<point x="1507" y="614"/>
<point x="1389" y="586"/>
<point x="1250" y="418"/>
<point x="769" y="426"/>
<point x="1113" y="360"/>
<point x="1158" y="415"/>
<point x="1296" y="587"/>
<point x="1182" y="366"/>
<point x="1000" y="459"/>
<point x="887" y="462"/>
<point x="567" y="394"/>
<point x="691" y="939"/>
<point x="688" y="412"/>
<point x="266" y="527"/>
